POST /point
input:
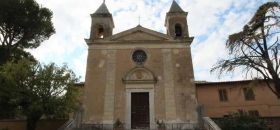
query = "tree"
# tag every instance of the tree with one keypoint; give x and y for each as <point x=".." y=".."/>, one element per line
<point x="242" y="121"/>
<point x="256" y="48"/>
<point x="23" y="25"/>
<point x="38" y="90"/>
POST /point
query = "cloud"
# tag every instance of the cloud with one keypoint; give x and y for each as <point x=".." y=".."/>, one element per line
<point x="210" y="22"/>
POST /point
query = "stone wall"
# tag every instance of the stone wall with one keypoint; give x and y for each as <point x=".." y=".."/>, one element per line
<point x="21" y="124"/>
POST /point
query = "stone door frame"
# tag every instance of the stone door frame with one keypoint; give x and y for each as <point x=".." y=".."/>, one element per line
<point x="134" y="88"/>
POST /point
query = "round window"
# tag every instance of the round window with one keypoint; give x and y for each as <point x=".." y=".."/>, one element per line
<point x="139" y="56"/>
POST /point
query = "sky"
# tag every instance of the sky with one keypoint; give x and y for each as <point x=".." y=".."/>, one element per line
<point x="209" y="21"/>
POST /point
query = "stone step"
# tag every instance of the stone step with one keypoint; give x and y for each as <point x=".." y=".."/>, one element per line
<point x="128" y="129"/>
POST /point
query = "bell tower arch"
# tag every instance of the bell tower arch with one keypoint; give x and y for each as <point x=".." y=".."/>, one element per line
<point x="176" y="22"/>
<point x="102" y="23"/>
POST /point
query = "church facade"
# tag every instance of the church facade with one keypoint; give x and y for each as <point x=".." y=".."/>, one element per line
<point x="139" y="77"/>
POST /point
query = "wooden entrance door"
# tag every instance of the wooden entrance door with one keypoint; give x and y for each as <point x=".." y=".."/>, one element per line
<point x="140" y="114"/>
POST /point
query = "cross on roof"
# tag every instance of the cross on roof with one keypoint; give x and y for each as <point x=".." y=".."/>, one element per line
<point x="139" y="20"/>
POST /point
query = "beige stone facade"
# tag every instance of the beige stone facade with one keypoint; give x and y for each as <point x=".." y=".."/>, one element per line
<point x="113" y="75"/>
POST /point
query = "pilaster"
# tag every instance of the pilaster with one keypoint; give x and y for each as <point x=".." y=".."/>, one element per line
<point x="170" y="106"/>
<point x="108" y="117"/>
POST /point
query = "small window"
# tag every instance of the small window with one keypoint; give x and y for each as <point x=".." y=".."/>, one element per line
<point x="223" y="95"/>
<point x="254" y="113"/>
<point x="178" y="30"/>
<point x="248" y="94"/>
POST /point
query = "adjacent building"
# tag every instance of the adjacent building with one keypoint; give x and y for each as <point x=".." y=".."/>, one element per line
<point x="219" y="99"/>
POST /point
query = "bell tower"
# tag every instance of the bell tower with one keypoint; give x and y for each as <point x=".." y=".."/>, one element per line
<point x="102" y="23"/>
<point x="176" y="22"/>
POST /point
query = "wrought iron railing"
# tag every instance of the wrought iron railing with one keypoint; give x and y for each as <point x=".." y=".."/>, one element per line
<point x="67" y="126"/>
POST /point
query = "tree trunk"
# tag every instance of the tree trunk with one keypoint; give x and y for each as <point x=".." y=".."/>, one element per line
<point x="4" y="56"/>
<point x="277" y="87"/>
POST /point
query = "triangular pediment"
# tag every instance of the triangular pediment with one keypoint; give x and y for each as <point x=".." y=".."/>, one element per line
<point x="139" y="33"/>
